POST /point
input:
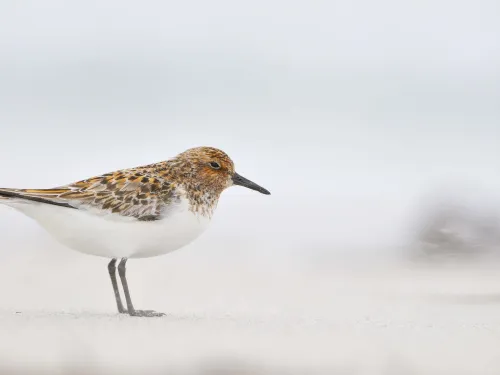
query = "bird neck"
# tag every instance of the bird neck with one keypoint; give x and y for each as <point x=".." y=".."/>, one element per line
<point x="202" y="197"/>
<point x="201" y="202"/>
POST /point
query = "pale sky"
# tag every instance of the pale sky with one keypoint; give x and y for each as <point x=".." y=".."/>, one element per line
<point x="348" y="111"/>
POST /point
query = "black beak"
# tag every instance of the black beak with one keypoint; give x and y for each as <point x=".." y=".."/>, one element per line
<point x="242" y="181"/>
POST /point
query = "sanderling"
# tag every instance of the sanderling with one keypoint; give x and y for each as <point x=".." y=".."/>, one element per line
<point x="134" y="213"/>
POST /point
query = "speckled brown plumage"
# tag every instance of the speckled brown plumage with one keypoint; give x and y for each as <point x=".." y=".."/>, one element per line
<point x="145" y="193"/>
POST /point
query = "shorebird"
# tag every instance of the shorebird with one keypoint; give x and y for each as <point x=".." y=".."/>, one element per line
<point x="134" y="213"/>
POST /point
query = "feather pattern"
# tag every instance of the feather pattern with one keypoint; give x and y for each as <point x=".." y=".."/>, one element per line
<point x="130" y="193"/>
<point x="146" y="193"/>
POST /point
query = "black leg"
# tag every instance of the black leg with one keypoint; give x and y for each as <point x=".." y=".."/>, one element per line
<point x="130" y="307"/>
<point x="112" y="275"/>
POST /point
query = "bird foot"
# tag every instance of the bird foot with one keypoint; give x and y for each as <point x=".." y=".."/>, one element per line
<point x="145" y="313"/>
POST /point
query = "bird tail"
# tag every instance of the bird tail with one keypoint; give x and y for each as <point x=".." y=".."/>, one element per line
<point x="6" y="195"/>
<point x="32" y="195"/>
<point x="10" y="195"/>
<point x="3" y="197"/>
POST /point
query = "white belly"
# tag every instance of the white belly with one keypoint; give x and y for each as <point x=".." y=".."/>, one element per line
<point x="112" y="236"/>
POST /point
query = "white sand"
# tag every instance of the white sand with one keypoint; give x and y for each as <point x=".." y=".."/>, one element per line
<point x="57" y="315"/>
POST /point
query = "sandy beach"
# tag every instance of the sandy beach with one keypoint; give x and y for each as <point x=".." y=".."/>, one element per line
<point x="57" y="315"/>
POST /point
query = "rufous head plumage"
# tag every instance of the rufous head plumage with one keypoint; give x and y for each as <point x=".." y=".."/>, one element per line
<point x="210" y="170"/>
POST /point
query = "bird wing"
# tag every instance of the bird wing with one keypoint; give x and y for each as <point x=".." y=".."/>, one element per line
<point x="130" y="193"/>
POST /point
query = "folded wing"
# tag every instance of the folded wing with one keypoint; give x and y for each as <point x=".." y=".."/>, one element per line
<point x="129" y="193"/>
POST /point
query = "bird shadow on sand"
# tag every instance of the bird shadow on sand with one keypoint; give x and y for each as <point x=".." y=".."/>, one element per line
<point x="76" y="315"/>
<point x="111" y="316"/>
<point x="465" y="298"/>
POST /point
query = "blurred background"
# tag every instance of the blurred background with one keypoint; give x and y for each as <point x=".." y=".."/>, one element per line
<point x="375" y="125"/>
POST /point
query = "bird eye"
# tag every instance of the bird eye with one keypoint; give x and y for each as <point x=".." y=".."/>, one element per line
<point x="214" y="165"/>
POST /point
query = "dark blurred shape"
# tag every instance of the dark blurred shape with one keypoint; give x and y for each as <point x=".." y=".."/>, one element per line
<point x="454" y="231"/>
